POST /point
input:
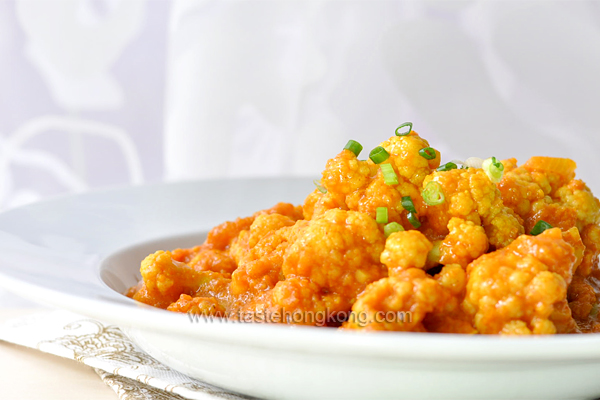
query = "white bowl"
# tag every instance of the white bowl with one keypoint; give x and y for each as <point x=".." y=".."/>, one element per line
<point x="80" y="252"/>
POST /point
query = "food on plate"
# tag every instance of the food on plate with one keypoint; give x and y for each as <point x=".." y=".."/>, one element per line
<point x="401" y="242"/>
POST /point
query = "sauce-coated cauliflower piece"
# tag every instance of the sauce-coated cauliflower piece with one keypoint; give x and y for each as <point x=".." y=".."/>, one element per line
<point x="357" y="185"/>
<point x="338" y="251"/>
<point x="472" y="196"/>
<point x="465" y="242"/>
<point x="260" y="253"/>
<point x="515" y="289"/>
<point x="165" y="279"/>
<point x="397" y="303"/>
<point x="404" y="250"/>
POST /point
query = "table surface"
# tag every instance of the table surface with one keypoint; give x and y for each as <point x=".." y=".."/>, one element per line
<point x="36" y="375"/>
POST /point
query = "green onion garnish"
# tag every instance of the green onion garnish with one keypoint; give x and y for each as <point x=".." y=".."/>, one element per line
<point x="428" y="153"/>
<point x="391" y="228"/>
<point x="414" y="221"/>
<point x="398" y="133"/>
<point x="319" y="186"/>
<point x="593" y="313"/>
<point x="379" y="155"/>
<point x="354" y="147"/>
<point x="540" y="227"/>
<point x="408" y="204"/>
<point x="382" y="215"/>
<point x="389" y="175"/>
<point x="494" y="169"/>
<point x="433" y="194"/>
<point x="447" y="167"/>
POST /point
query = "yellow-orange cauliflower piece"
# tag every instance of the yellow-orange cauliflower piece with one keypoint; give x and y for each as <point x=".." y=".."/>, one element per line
<point x="465" y="242"/>
<point x="472" y="196"/>
<point x="165" y="279"/>
<point x="404" y="250"/>
<point x="338" y="251"/>
<point x="303" y="302"/>
<point x="343" y="175"/>
<point x="514" y="290"/>
<point x="259" y="253"/>
<point x="578" y="196"/>
<point x="405" y="157"/>
<point x="544" y="189"/>
<point x="359" y="185"/>
<point x="397" y="303"/>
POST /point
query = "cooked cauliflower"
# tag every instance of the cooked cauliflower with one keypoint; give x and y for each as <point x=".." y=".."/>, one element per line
<point x="472" y="196"/>
<point x="517" y="287"/>
<point x="463" y="262"/>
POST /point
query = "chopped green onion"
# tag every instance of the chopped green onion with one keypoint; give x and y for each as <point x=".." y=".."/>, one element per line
<point x="540" y="227"/>
<point x="593" y="313"/>
<point x="382" y="215"/>
<point x="389" y="175"/>
<point x="391" y="228"/>
<point x="428" y="153"/>
<point x="494" y="169"/>
<point x="447" y="167"/>
<point x="414" y="221"/>
<point x="319" y="186"/>
<point x="434" y="254"/>
<point x="398" y="133"/>
<point x="354" y="147"/>
<point x="408" y="204"/>
<point x="379" y="155"/>
<point x="433" y="194"/>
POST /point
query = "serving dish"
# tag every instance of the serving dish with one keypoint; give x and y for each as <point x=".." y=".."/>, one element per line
<point x="81" y="252"/>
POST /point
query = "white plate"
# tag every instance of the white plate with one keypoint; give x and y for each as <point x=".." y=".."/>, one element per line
<point x="78" y="252"/>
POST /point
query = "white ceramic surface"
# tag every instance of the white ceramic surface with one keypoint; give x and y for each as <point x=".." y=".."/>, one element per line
<point x="72" y="252"/>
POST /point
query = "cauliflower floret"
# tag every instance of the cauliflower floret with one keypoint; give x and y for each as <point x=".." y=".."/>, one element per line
<point x="338" y="251"/>
<point x="577" y="195"/>
<point x="404" y="155"/>
<point x="359" y="185"/>
<point x="342" y="176"/>
<point x="551" y="172"/>
<point x="311" y="266"/>
<point x="345" y="173"/>
<point x="465" y="242"/>
<point x="165" y="279"/>
<point x="404" y="250"/>
<point x="397" y="303"/>
<point x="304" y="302"/>
<point x="222" y="236"/>
<point x="521" y="282"/>
<point x="212" y="260"/>
<point x="261" y="254"/>
<point x="544" y="188"/>
<point x="520" y="190"/>
<point x="471" y="196"/>
<point x="263" y="225"/>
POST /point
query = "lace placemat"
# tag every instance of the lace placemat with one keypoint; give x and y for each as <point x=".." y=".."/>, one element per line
<point x="122" y="365"/>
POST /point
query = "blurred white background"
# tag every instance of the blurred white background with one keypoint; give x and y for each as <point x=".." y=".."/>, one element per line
<point x="98" y="93"/>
